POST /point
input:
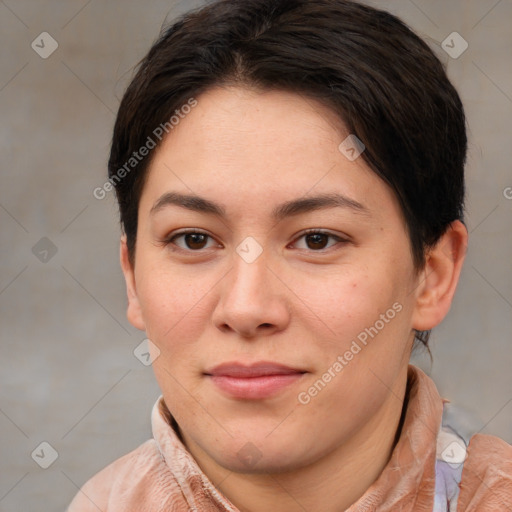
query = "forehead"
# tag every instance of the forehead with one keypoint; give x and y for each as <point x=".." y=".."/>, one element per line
<point x="233" y="115"/>
<point x="252" y="146"/>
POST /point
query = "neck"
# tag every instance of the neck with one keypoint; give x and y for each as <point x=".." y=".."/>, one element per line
<point x="330" y="484"/>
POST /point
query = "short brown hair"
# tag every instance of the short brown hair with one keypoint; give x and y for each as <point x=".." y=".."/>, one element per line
<point x="365" y="64"/>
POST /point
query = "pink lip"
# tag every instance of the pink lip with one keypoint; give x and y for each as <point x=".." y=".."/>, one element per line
<point x="257" y="381"/>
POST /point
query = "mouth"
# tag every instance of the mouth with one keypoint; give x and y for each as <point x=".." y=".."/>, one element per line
<point x="253" y="382"/>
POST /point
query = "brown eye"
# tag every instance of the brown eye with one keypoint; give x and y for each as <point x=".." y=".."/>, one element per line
<point x="191" y="240"/>
<point x="317" y="240"/>
<point x="195" y="240"/>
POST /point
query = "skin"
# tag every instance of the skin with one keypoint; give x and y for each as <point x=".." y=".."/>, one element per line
<point x="300" y="303"/>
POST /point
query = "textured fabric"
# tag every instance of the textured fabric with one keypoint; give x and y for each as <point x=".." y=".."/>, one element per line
<point x="422" y="473"/>
<point x="450" y="457"/>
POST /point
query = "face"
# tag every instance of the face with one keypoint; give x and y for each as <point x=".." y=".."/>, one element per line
<point x="282" y="301"/>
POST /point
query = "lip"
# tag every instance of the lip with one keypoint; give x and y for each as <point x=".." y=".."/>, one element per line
<point x="255" y="381"/>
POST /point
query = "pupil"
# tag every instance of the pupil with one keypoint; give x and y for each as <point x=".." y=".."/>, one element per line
<point x="316" y="239"/>
<point x="195" y="238"/>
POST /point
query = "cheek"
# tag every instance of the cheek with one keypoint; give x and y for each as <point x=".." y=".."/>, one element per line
<point x="344" y="303"/>
<point x="173" y="307"/>
<point x="175" y="315"/>
<point x="363" y="317"/>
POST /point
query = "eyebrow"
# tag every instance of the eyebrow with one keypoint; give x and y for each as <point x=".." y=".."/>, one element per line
<point x="289" y="208"/>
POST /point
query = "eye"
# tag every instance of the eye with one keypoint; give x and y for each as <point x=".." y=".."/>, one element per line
<point x="192" y="240"/>
<point x="317" y="240"/>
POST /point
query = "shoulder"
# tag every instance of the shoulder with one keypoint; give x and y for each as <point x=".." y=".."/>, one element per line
<point x="129" y="471"/>
<point x="486" y="482"/>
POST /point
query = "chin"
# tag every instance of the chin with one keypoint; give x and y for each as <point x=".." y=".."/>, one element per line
<point x="252" y="460"/>
<point x="260" y="454"/>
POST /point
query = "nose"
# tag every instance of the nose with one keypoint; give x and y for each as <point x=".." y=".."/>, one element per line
<point x="253" y="300"/>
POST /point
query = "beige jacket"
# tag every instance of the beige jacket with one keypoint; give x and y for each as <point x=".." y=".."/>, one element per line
<point x="422" y="475"/>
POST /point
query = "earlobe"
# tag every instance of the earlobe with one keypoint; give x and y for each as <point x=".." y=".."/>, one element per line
<point x="133" y="312"/>
<point x="438" y="280"/>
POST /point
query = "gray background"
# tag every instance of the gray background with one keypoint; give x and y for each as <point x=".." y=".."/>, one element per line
<point x="69" y="376"/>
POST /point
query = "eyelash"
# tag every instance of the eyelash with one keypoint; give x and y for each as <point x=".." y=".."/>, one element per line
<point x="169" y="240"/>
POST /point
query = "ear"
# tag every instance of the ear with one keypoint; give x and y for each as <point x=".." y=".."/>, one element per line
<point x="438" y="280"/>
<point x="134" y="312"/>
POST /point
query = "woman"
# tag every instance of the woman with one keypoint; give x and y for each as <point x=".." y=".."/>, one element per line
<point x="290" y="176"/>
